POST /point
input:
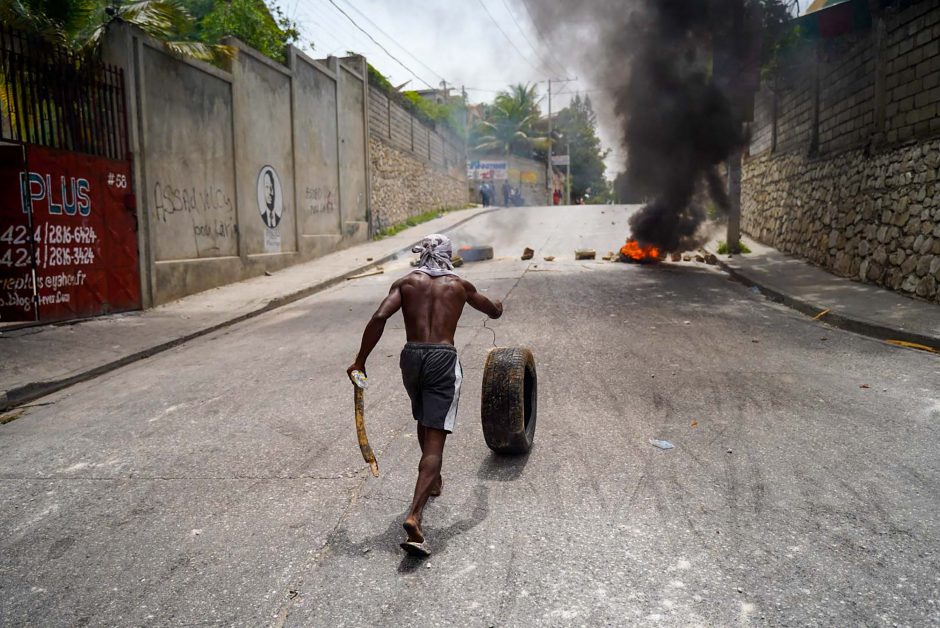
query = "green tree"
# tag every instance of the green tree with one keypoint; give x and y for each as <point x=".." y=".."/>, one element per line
<point x="575" y="127"/>
<point x="266" y="30"/>
<point x="509" y="125"/>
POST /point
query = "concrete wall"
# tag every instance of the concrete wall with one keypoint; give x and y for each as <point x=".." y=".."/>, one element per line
<point x="243" y="171"/>
<point x="845" y="151"/>
<point x="415" y="167"/>
<point x="317" y="155"/>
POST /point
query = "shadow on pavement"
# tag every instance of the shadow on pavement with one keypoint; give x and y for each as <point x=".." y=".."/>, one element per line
<point x="388" y="540"/>
<point x="502" y="468"/>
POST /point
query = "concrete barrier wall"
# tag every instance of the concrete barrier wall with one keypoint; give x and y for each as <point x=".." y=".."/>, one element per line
<point x="317" y="155"/>
<point x="190" y="191"/>
<point x="243" y="171"/>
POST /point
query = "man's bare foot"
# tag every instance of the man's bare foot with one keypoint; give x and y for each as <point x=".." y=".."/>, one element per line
<point x="413" y="527"/>
<point x="437" y="488"/>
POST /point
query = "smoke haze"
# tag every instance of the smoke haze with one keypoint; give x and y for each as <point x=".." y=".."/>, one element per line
<point x="653" y="60"/>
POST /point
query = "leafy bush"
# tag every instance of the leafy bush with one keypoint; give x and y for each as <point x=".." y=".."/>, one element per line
<point x="723" y="248"/>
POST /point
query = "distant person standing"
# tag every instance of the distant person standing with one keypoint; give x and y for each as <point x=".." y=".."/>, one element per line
<point x="556" y="197"/>
<point x="506" y="192"/>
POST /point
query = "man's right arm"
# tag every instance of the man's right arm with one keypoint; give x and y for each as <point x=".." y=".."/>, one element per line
<point x="479" y="301"/>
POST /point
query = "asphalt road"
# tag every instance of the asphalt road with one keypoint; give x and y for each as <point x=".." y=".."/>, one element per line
<point x="220" y="482"/>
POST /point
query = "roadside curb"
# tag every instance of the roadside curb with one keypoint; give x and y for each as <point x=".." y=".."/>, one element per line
<point x="835" y="319"/>
<point x="26" y="393"/>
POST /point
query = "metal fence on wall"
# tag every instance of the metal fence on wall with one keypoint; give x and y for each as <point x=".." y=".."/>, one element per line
<point x="52" y="97"/>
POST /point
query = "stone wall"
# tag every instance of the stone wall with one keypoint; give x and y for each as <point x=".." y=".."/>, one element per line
<point x="844" y="153"/>
<point x="874" y="219"/>
<point x="415" y="166"/>
<point x="404" y="185"/>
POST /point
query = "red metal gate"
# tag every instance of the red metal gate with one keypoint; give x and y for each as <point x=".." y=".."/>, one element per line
<point x="68" y="242"/>
<point x="68" y="230"/>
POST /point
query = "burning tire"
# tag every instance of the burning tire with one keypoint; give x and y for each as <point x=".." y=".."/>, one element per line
<point x="475" y="253"/>
<point x="509" y="403"/>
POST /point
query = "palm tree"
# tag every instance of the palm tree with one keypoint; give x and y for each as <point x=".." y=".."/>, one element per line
<point x="509" y="123"/>
<point x="78" y="25"/>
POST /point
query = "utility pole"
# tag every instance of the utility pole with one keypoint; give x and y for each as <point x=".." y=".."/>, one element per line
<point x="568" y="174"/>
<point x="550" y="174"/>
<point x="733" y="235"/>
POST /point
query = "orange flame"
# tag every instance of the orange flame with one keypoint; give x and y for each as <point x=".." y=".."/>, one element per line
<point x="640" y="253"/>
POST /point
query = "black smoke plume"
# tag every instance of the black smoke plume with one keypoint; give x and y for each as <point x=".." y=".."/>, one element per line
<point x="677" y="74"/>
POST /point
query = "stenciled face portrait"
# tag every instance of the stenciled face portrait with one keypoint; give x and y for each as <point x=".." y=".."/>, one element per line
<point x="270" y="203"/>
<point x="269" y="190"/>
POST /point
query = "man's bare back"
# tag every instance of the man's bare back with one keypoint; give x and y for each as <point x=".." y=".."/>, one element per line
<point x="432" y="306"/>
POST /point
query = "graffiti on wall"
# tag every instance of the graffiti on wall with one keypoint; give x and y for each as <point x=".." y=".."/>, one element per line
<point x="319" y="199"/>
<point x="208" y="208"/>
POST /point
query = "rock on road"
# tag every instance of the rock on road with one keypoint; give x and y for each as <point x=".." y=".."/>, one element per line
<point x="220" y="482"/>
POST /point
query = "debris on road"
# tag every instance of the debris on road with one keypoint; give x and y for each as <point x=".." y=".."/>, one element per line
<point x="580" y="254"/>
<point x="693" y="424"/>
<point x="268" y="273"/>
<point x="821" y="314"/>
<point x="528" y="254"/>
<point x="675" y="257"/>
<point x="864" y="386"/>
<point x="911" y="345"/>
<point x="711" y="259"/>
<point x="377" y="271"/>
<point x="477" y="253"/>
<point x="11" y="416"/>
<point x="457" y="261"/>
<point x="700" y="259"/>
<point x="549" y="258"/>
<point x="686" y="258"/>
<point x="661" y="444"/>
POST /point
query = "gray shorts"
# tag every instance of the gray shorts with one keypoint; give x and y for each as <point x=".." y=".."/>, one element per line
<point x="432" y="376"/>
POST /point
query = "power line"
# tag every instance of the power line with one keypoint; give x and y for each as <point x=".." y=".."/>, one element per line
<point x="548" y="66"/>
<point x="511" y="43"/>
<point x="397" y="43"/>
<point x="322" y="21"/>
<point x="525" y="5"/>
<point x="384" y="49"/>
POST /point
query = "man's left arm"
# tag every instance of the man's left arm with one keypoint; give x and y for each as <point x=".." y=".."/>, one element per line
<point x="375" y="327"/>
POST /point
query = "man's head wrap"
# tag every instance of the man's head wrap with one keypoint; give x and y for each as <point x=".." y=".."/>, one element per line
<point x="435" y="252"/>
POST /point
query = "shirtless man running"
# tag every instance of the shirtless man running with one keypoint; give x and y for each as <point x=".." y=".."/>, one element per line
<point x="431" y="299"/>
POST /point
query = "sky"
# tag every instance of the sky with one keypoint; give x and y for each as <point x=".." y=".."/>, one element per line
<point x="480" y="45"/>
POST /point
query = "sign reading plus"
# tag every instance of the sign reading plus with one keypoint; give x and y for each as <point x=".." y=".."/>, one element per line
<point x="68" y="245"/>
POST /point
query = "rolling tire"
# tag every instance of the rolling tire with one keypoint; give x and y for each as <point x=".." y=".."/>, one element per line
<point x="509" y="403"/>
